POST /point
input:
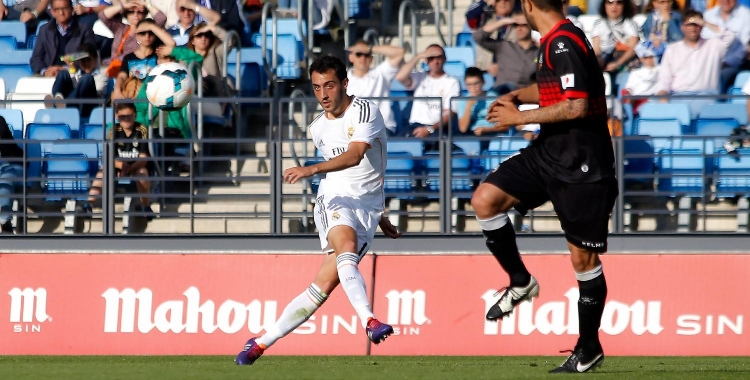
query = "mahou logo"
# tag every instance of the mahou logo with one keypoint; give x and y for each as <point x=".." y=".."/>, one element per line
<point x="561" y="317"/>
<point x="183" y="315"/>
<point x="406" y="308"/>
<point x="28" y="309"/>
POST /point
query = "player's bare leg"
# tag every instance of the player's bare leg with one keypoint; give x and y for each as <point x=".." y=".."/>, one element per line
<point x="295" y="313"/>
<point x="343" y="239"/>
<point x="592" y="286"/>
<point x="491" y="205"/>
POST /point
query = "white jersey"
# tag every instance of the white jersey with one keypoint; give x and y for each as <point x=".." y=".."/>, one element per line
<point x="428" y="112"/>
<point x="360" y="122"/>
<point x="376" y="84"/>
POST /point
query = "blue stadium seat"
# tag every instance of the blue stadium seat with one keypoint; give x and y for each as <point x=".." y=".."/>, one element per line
<point x="46" y="134"/>
<point x="724" y="111"/>
<point x="14" y="118"/>
<point x="252" y="76"/>
<point x="460" y="175"/>
<point x="287" y="26"/>
<point x="682" y="172"/>
<point x="741" y="78"/>
<point x="99" y="115"/>
<point x="7" y="44"/>
<point x="359" y="9"/>
<point x="465" y="39"/>
<point x="402" y="168"/>
<point x="401" y="108"/>
<point x="31" y="42"/>
<point x="638" y="161"/>
<point x="287" y="52"/>
<point x="11" y="73"/>
<point x="69" y="116"/>
<point x="664" y="132"/>
<point x="460" y="53"/>
<point x="662" y="111"/>
<point x="456" y="69"/>
<point x="737" y="91"/>
<point x="715" y="127"/>
<point x="88" y="148"/>
<point x="15" y="29"/>
<point x="732" y="174"/>
<point x="500" y="149"/>
<point x="66" y="176"/>
<point x="48" y="131"/>
<point x="92" y="132"/>
<point x="620" y="80"/>
<point x="489" y="82"/>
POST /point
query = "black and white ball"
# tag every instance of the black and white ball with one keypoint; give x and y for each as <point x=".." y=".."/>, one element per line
<point x="169" y="86"/>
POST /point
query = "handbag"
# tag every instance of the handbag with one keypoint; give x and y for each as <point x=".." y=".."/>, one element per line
<point x="114" y="66"/>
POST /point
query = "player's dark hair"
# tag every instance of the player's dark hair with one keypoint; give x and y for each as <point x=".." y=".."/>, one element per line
<point x="474" y="72"/>
<point x="690" y="12"/>
<point x="549" y="5"/>
<point x="70" y="2"/>
<point x="628" y="9"/>
<point x="324" y="64"/>
<point x="124" y="106"/>
<point x="650" y="7"/>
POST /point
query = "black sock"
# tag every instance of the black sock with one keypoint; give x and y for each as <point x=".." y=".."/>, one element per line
<point x="502" y="244"/>
<point x="593" y="293"/>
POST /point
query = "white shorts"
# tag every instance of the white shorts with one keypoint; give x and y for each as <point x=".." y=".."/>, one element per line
<point x="337" y="210"/>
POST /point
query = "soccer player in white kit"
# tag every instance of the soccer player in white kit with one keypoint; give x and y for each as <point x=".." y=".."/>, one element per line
<point x="351" y="135"/>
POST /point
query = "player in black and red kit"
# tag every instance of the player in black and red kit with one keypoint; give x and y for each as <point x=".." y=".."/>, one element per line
<point x="571" y="164"/>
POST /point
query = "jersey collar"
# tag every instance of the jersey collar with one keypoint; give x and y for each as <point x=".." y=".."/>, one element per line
<point x="554" y="29"/>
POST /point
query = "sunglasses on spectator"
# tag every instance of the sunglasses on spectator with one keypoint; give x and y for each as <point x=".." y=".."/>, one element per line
<point x="203" y="34"/>
<point x="183" y="9"/>
<point x="126" y="117"/>
<point x="514" y="25"/>
<point x="429" y="59"/>
<point x="360" y="55"/>
<point x="145" y="33"/>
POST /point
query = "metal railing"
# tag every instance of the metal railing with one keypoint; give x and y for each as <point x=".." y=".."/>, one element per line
<point x="402" y="9"/>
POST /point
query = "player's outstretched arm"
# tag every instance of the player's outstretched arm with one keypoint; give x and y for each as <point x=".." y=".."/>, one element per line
<point x="526" y="95"/>
<point x="388" y="228"/>
<point x="506" y="113"/>
<point x="354" y="154"/>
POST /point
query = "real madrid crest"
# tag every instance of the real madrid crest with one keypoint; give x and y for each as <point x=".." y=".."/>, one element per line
<point x="350" y="132"/>
<point x="335" y="216"/>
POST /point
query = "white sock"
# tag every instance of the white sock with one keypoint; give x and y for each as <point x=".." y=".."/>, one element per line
<point x="296" y="313"/>
<point x="354" y="285"/>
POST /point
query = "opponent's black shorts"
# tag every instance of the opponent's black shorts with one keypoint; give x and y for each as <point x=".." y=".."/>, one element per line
<point x="582" y="208"/>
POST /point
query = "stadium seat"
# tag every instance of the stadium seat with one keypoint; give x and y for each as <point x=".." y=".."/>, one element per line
<point x="14" y="118"/>
<point x="99" y="115"/>
<point x="47" y="131"/>
<point x="46" y="135"/>
<point x="461" y="54"/>
<point x="741" y="78"/>
<point x="13" y="72"/>
<point x="664" y="132"/>
<point x="31" y="88"/>
<point x="359" y="9"/>
<point x="288" y="26"/>
<point x="69" y="116"/>
<point x="288" y="55"/>
<point x="31" y="42"/>
<point x="724" y="111"/>
<point x="460" y="174"/>
<point x="456" y="69"/>
<point x="732" y="180"/>
<point x="739" y="100"/>
<point x="466" y="39"/>
<point x="682" y="172"/>
<point x="661" y="111"/>
<point x="403" y="166"/>
<point x="15" y="29"/>
<point x="620" y="80"/>
<point x="638" y="161"/>
<point x="253" y="78"/>
<point x="489" y="82"/>
<point x="7" y="44"/>
<point x="401" y="108"/>
<point x="66" y="176"/>
<point x="715" y="127"/>
<point x="500" y="149"/>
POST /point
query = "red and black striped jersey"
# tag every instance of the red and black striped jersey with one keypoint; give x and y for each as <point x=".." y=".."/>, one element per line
<point x="577" y="150"/>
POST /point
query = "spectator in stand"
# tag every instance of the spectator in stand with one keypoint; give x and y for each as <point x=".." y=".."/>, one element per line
<point x="231" y="17"/>
<point x="27" y="11"/>
<point x="78" y="82"/>
<point x="642" y="81"/>
<point x="663" y="24"/>
<point x="736" y="18"/>
<point x="207" y="41"/>
<point x="429" y="116"/>
<point x="476" y="14"/>
<point x="472" y="112"/>
<point x="188" y="10"/>
<point x="515" y="62"/>
<point x="615" y="35"/>
<point x="11" y="174"/>
<point x="691" y="66"/>
<point x="568" y="11"/>
<point x="169" y="8"/>
<point x="125" y="41"/>
<point x="87" y="11"/>
<point x="57" y="38"/>
<point x="136" y="65"/>
<point x="376" y="82"/>
<point x="130" y="156"/>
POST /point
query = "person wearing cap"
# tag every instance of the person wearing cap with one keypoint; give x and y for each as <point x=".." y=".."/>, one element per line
<point x="736" y="18"/>
<point x="642" y="81"/>
<point x="692" y="66"/>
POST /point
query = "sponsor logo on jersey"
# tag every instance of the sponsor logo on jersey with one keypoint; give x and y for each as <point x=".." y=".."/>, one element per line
<point x="561" y="48"/>
<point x="568" y="81"/>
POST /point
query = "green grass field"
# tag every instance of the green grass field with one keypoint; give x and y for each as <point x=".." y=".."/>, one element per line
<point x="360" y="367"/>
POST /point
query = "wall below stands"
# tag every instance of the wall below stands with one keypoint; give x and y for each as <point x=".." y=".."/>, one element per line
<point x="171" y="296"/>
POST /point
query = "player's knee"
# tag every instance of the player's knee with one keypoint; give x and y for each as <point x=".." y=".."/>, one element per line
<point x="583" y="260"/>
<point x="487" y="203"/>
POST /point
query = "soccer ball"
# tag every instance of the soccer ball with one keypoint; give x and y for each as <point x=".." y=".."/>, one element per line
<point x="169" y="86"/>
